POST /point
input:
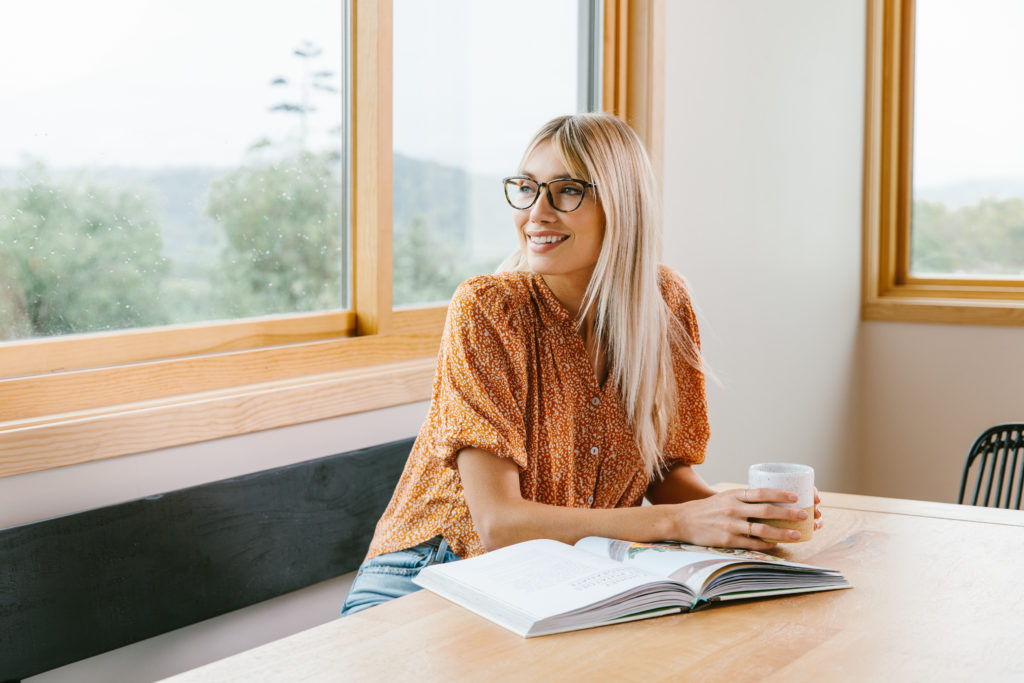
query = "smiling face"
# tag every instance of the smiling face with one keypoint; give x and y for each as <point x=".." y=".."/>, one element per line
<point x="562" y="247"/>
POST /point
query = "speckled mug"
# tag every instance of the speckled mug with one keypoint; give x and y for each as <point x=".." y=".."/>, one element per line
<point x="789" y="477"/>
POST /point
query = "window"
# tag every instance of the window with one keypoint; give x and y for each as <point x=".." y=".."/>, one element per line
<point x="487" y="95"/>
<point x="291" y="349"/>
<point x="943" y="190"/>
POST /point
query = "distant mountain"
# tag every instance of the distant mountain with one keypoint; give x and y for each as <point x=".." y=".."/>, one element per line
<point x="454" y="204"/>
<point x="968" y="193"/>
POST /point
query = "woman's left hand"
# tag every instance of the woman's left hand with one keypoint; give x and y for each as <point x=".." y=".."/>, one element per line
<point x="817" y="511"/>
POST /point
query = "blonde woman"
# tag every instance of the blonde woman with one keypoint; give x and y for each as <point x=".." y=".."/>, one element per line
<point x="569" y="385"/>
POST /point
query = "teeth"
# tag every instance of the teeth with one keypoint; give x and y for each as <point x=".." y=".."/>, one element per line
<point x="548" y="239"/>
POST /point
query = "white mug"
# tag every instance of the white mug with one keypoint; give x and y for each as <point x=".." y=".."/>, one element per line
<point x="798" y="479"/>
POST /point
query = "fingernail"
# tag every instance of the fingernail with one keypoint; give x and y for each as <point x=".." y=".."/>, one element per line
<point x="802" y="514"/>
<point x="794" y="534"/>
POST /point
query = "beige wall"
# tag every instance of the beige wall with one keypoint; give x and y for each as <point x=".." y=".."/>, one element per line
<point x="929" y="390"/>
<point x="764" y="123"/>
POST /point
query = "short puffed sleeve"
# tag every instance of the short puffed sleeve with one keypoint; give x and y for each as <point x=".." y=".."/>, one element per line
<point x="690" y="430"/>
<point x="481" y="375"/>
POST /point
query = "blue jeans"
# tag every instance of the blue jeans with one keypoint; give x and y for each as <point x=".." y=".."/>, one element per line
<point x="390" y="575"/>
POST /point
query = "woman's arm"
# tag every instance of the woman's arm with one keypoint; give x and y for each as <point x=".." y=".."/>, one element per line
<point x="682" y="483"/>
<point x="501" y="516"/>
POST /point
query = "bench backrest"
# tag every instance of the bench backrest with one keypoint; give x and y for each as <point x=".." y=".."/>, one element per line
<point x="85" y="583"/>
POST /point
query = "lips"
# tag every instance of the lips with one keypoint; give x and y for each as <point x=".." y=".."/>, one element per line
<point x="544" y="238"/>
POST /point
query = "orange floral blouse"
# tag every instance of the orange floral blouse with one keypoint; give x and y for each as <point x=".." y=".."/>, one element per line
<point x="513" y="378"/>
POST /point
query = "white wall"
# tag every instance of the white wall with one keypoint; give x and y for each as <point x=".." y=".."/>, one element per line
<point x="763" y="136"/>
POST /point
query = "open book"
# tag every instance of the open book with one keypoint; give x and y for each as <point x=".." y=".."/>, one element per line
<point x="542" y="586"/>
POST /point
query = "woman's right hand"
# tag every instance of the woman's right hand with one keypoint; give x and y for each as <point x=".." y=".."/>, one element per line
<point x="726" y="519"/>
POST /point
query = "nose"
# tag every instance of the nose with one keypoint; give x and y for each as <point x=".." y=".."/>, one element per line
<point x="542" y="210"/>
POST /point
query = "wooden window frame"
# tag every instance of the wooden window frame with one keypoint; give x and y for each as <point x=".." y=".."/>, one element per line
<point x="80" y="398"/>
<point x="889" y="290"/>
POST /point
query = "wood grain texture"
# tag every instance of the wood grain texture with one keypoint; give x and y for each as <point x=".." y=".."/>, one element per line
<point x="934" y="599"/>
<point x="372" y="161"/>
<point x="33" y="445"/>
<point x="85" y="583"/>
<point x="75" y="352"/>
<point x="102" y="387"/>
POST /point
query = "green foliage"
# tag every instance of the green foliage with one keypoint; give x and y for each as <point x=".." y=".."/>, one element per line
<point x="284" y="245"/>
<point x="986" y="238"/>
<point x="426" y="268"/>
<point x="77" y="256"/>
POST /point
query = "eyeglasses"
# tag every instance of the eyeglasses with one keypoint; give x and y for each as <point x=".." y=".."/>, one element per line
<point x="564" y="194"/>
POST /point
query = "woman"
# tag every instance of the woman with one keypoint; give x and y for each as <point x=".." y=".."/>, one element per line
<point x="569" y="385"/>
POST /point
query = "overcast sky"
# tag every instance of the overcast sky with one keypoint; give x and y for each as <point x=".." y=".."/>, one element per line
<point x="186" y="82"/>
<point x="969" y="104"/>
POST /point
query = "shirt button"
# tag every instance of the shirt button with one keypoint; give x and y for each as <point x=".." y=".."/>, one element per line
<point x="594" y="451"/>
<point x="595" y="401"/>
<point x="590" y="500"/>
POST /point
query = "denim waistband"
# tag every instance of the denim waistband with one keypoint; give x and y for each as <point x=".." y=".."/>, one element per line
<point x="437" y="542"/>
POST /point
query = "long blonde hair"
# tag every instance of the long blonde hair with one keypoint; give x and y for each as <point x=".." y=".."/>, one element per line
<point x="633" y="323"/>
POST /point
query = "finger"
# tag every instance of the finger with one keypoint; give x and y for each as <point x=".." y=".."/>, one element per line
<point x="770" y="496"/>
<point x="742" y="495"/>
<point x="818" y="523"/>
<point x="749" y="539"/>
<point x="817" y="498"/>
<point x="768" y="511"/>
<point x="772" y="534"/>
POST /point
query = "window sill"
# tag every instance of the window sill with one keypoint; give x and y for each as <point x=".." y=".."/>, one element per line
<point x="906" y="307"/>
<point x="35" y="444"/>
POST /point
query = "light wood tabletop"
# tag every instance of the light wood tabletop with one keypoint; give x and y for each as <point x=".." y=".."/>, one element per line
<point x="937" y="596"/>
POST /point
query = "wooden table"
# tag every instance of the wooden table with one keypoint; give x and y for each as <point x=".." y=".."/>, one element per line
<point x="939" y="595"/>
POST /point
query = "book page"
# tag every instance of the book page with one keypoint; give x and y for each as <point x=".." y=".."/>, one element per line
<point x="539" y="578"/>
<point x="687" y="564"/>
<point x="718" y="570"/>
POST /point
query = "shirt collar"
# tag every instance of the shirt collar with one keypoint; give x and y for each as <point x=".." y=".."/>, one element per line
<point x="552" y="312"/>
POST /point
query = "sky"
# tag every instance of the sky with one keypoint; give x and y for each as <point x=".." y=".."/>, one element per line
<point x="187" y="82"/>
<point x="969" y="91"/>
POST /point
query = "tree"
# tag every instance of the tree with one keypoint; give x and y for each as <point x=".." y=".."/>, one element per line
<point x="986" y="238"/>
<point x="426" y="268"/>
<point x="282" y="222"/>
<point x="310" y="80"/>
<point x="77" y="256"/>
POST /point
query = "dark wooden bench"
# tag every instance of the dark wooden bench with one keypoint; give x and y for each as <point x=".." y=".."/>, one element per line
<point x="86" y="583"/>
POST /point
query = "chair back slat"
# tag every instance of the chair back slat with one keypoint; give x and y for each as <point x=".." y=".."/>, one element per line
<point x="1018" y="467"/>
<point x="996" y="461"/>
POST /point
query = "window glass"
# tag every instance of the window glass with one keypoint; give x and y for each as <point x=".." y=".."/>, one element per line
<point x="472" y="83"/>
<point x="968" y="164"/>
<point x="169" y="162"/>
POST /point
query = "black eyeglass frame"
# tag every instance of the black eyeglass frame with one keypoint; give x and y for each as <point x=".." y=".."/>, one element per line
<point x="547" y="188"/>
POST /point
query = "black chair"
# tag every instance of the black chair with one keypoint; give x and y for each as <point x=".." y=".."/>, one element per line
<point x="999" y="476"/>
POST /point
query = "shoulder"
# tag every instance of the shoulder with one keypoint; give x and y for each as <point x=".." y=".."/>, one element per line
<point x="676" y="294"/>
<point x="673" y="289"/>
<point x="498" y="299"/>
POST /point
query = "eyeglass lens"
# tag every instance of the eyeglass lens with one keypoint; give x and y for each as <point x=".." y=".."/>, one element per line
<point x="564" y="195"/>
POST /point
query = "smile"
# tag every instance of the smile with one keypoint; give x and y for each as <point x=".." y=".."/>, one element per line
<point x="546" y="239"/>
